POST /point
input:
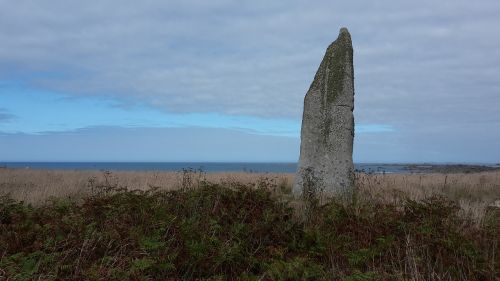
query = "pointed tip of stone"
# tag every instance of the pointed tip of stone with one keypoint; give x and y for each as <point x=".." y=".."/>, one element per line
<point x="344" y="30"/>
<point x="344" y="33"/>
<point x="344" y="36"/>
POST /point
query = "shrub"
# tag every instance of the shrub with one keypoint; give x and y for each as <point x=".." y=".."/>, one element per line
<point x="240" y="233"/>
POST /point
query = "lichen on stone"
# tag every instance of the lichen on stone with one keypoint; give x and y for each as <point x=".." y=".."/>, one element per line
<point x="336" y="56"/>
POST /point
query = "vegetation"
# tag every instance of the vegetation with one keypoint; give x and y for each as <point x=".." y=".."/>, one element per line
<point x="232" y="231"/>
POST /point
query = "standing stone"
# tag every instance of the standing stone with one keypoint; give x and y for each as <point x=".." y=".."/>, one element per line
<point x="325" y="167"/>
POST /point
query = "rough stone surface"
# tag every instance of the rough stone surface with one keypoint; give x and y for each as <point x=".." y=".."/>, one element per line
<point x="325" y="166"/>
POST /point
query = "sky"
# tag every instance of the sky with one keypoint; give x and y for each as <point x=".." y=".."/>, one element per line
<point x="224" y="80"/>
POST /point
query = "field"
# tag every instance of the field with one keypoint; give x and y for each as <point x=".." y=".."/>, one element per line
<point x="190" y="225"/>
<point x="472" y="191"/>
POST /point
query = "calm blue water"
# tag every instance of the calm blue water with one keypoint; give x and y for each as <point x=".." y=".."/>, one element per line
<point x="178" y="166"/>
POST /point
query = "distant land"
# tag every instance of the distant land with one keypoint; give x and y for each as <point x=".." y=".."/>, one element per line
<point x="251" y="167"/>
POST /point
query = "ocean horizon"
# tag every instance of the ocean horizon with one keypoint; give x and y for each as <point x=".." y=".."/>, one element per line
<point x="251" y="167"/>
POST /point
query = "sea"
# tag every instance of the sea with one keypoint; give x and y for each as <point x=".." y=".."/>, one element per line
<point x="251" y="167"/>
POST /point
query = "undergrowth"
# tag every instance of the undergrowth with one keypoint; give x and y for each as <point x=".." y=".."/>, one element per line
<point x="240" y="233"/>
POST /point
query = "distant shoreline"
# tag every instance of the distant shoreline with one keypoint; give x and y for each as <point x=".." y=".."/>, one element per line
<point x="249" y="167"/>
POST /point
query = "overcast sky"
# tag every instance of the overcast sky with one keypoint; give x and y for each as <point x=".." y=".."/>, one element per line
<point x="220" y="80"/>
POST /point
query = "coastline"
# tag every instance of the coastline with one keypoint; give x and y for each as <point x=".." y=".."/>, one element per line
<point x="248" y="167"/>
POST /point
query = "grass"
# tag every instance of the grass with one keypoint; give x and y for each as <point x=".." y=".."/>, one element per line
<point x="36" y="186"/>
<point x="397" y="228"/>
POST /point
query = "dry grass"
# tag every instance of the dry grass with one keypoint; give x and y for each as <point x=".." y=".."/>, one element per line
<point x="36" y="186"/>
<point x="474" y="192"/>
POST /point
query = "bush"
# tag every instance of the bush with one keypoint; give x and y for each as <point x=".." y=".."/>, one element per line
<point x="240" y="233"/>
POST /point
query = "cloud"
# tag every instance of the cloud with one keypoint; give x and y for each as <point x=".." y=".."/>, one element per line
<point x="148" y="144"/>
<point x="197" y="144"/>
<point x="254" y="58"/>
<point x="42" y="112"/>
<point x="5" y="116"/>
<point x="459" y="144"/>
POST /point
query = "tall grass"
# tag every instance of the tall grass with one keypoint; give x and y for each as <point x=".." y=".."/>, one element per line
<point x="36" y="186"/>
<point x="473" y="191"/>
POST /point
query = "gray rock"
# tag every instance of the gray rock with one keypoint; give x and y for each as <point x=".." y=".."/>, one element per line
<point x="325" y="167"/>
